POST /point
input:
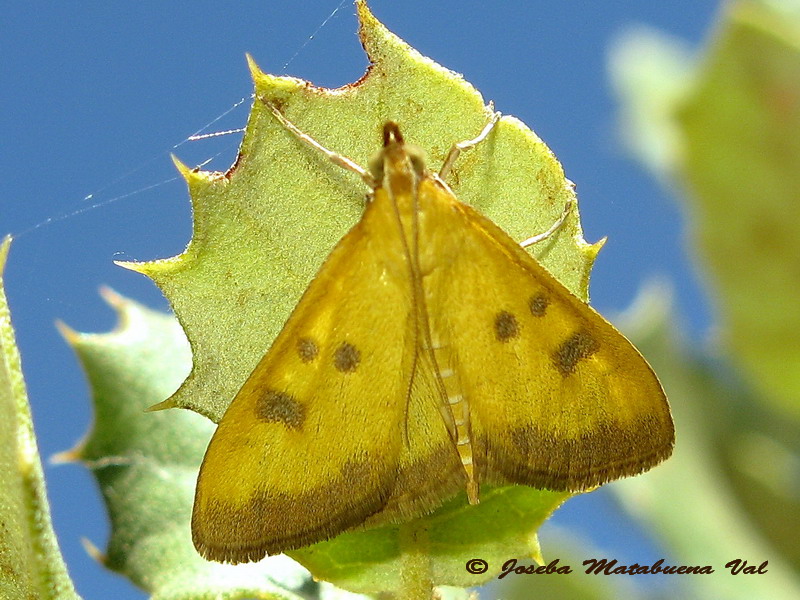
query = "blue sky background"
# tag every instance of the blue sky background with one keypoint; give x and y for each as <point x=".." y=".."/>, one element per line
<point x="96" y="95"/>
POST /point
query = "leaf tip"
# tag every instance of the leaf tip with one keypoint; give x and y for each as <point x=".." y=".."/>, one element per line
<point x="4" y="246"/>
<point x="137" y="267"/>
<point x="163" y="405"/>
<point x="536" y="549"/>
<point x="68" y="333"/>
<point x="66" y="456"/>
<point x="370" y="29"/>
<point x="594" y="249"/>
<point x="188" y="173"/>
<point x="120" y="304"/>
<point x="93" y="551"/>
<point x="255" y="72"/>
<point x="112" y="298"/>
<point x="363" y="12"/>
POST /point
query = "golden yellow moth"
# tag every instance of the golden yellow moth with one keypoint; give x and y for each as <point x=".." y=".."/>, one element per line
<point x="430" y="354"/>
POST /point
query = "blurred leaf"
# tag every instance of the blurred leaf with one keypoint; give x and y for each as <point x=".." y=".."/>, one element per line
<point x="31" y="565"/>
<point x="652" y="73"/>
<point x="262" y="229"/>
<point x="733" y="128"/>
<point x="742" y="162"/>
<point x="688" y="501"/>
<point x="146" y="465"/>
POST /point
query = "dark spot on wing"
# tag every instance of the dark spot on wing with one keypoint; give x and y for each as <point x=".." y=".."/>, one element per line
<point x="578" y="346"/>
<point x="280" y="407"/>
<point x="307" y="349"/>
<point x="346" y="358"/>
<point x="538" y="304"/>
<point x="505" y="326"/>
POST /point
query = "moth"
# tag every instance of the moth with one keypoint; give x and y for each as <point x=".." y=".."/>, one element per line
<point x="431" y="354"/>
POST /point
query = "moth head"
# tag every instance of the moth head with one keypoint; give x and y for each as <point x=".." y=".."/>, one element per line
<point x="396" y="158"/>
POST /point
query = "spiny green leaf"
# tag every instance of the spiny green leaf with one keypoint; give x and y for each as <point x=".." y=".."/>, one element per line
<point x="146" y="464"/>
<point x="31" y="565"/>
<point x="262" y="230"/>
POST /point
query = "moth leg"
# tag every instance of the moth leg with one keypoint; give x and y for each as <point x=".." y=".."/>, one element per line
<point x="457" y="149"/>
<point x="336" y="158"/>
<point x="553" y="228"/>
